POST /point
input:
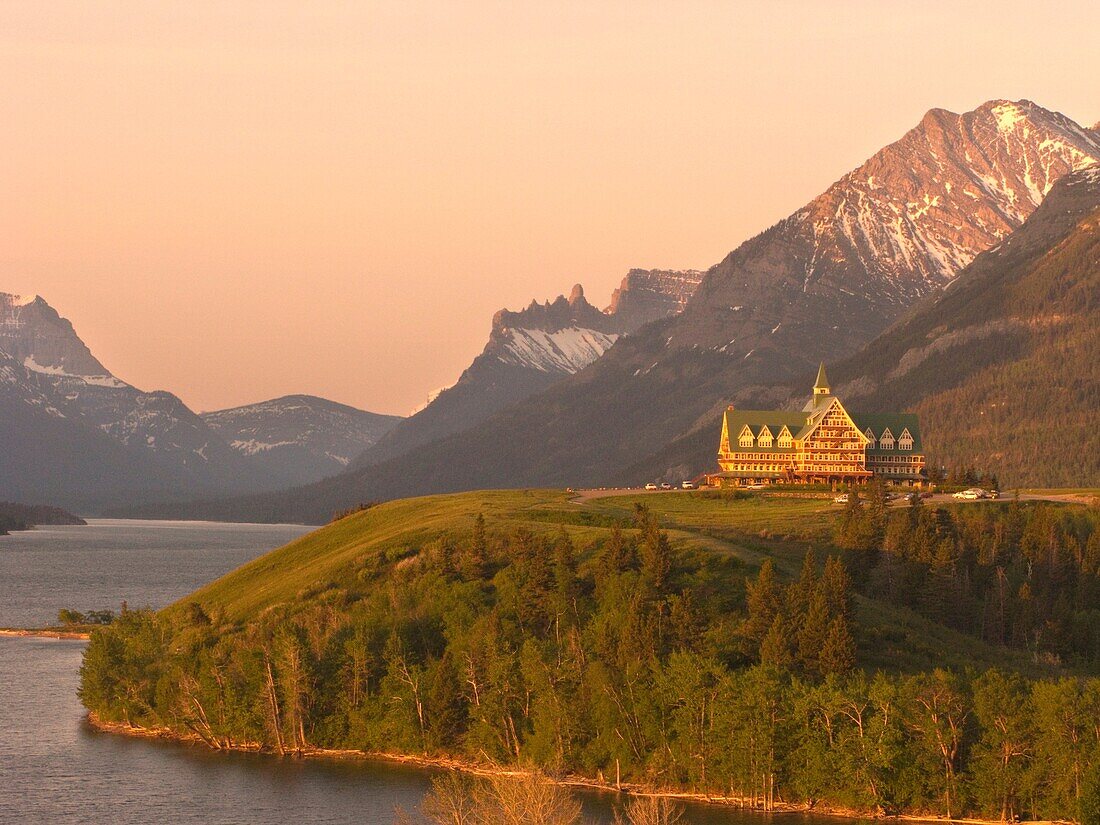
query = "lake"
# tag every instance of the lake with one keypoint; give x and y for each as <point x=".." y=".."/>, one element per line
<point x="55" y="768"/>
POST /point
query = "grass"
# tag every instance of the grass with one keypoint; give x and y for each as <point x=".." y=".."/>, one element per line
<point x="745" y="530"/>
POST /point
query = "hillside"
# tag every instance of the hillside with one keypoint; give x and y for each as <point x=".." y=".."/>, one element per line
<point x="1009" y="354"/>
<point x="1009" y="351"/>
<point x="818" y="285"/>
<point x="644" y="636"/>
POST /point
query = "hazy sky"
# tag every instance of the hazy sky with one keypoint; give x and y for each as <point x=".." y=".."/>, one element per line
<point x="235" y="201"/>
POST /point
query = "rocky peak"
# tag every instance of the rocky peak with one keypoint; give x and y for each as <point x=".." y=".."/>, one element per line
<point x="35" y="335"/>
<point x="898" y="227"/>
<point x="649" y="294"/>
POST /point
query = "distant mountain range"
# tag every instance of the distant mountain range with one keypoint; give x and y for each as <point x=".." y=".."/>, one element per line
<point x="820" y="284"/>
<point x="74" y="434"/>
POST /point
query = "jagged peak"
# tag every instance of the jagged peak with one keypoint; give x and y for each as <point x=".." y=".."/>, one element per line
<point x="19" y="300"/>
<point x="577" y="294"/>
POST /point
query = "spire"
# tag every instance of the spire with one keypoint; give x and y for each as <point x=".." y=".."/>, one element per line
<point x="821" y="385"/>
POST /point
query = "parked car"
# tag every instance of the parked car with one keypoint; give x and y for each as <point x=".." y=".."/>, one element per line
<point x="994" y="493"/>
<point x="665" y="485"/>
<point x="651" y="486"/>
<point x="687" y="485"/>
<point x="756" y="487"/>
<point x="969" y="495"/>
<point x="841" y="499"/>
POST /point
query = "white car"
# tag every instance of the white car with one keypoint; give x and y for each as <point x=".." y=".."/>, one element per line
<point x="969" y="495"/>
<point x="841" y="499"/>
<point x="687" y="485"/>
<point x="665" y="485"/>
<point x="756" y="487"/>
<point x="651" y="486"/>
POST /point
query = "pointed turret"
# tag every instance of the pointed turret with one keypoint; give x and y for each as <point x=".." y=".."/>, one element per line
<point x="821" y="385"/>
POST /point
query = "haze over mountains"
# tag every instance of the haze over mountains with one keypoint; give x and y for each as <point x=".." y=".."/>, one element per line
<point x="75" y="434"/>
<point x="818" y="285"/>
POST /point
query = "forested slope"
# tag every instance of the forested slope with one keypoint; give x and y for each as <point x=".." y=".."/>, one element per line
<point x="733" y="645"/>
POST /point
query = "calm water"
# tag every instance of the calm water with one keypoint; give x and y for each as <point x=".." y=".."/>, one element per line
<point x="55" y="769"/>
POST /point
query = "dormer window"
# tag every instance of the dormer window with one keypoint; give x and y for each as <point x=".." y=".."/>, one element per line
<point x="785" y="441"/>
<point x="745" y="438"/>
<point x="905" y="440"/>
<point x="764" y="440"/>
<point x="886" y="442"/>
<point x="870" y="437"/>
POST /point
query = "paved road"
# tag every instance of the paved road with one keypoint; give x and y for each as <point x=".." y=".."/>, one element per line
<point x="584" y="496"/>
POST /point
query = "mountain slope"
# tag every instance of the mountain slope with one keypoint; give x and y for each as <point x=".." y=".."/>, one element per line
<point x="534" y="348"/>
<point x="73" y="433"/>
<point x="1008" y="354"/>
<point x="299" y="438"/>
<point x="1004" y="368"/>
<point x="51" y="457"/>
<point x="818" y="285"/>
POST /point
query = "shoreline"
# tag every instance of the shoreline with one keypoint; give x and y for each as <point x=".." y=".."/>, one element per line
<point x="43" y="633"/>
<point x="570" y="780"/>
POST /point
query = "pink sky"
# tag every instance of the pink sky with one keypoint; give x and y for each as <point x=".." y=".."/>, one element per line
<point x="235" y="201"/>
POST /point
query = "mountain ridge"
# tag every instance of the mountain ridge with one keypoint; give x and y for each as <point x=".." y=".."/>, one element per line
<point x="814" y="286"/>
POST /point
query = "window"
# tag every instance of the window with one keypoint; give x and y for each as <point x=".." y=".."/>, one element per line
<point x="870" y="437"/>
<point x="785" y="441"/>
<point x="745" y="439"/>
<point x="905" y="440"/>
<point x="765" y="438"/>
<point x="886" y="442"/>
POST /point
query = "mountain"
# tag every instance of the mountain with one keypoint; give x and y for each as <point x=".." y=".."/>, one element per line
<point x="647" y="295"/>
<point x="158" y="423"/>
<point x="75" y="434"/>
<point x="49" y="456"/>
<point x="299" y="438"/>
<point x="1004" y="367"/>
<point x="818" y="285"/>
<point x="534" y="348"/>
<point x="1007" y="354"/>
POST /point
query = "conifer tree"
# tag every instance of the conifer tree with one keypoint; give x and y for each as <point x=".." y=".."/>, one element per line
<point x="812" y="632"/>
<point x="763" y="599"/>
<point x="838" y="653"/>
<point x="775" y="649"/>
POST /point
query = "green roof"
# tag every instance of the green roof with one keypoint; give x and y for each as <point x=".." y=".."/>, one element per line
<point x="895" y="422"/>
<point x="822" y="383"/>
<point x="756" y="420"/>
<point x="798" y="424"/>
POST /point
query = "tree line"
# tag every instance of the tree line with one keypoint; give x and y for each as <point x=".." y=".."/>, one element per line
<point x="625" y="662"/>
<point x="1025" y="577"/>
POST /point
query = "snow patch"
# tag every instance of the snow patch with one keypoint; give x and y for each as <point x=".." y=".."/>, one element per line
<point x="567" y="350"/>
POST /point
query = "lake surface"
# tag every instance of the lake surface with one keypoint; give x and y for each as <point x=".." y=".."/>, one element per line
<point x="56" y="769"/>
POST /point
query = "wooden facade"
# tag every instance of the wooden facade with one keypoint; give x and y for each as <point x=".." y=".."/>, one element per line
<point x="822" y="444"/>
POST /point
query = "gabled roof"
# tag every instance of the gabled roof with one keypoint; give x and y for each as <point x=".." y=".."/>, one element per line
<point x="756" y="420"/>
<point x="895" y="422"/>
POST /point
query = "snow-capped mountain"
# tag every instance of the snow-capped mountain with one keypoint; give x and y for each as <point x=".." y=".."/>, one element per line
<point x="531" y="349"/>
<point x="299" y="438"/>
<point x="149" y="444"/>
<point x="32" y="332"/>
<point x="818" y="285"/>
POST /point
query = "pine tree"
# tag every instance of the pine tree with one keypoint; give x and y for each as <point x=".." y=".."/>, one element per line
<point x="836" y="585"/>
<point x="812" y="632"/>
<point x="838" y="653"/>
<point x="775" y="650"/>
<point x="763" y="599"/>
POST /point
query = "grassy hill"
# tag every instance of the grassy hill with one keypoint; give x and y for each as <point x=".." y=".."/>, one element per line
<point x="682" y="640"/>
<point x="741" y="532"/>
